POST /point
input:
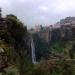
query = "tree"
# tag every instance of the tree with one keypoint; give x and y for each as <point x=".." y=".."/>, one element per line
<point x="41" y="48"/>
<point x="15" y="36"/>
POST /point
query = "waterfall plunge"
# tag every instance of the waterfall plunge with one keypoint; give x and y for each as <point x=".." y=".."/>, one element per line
<point x="33" y="51"/>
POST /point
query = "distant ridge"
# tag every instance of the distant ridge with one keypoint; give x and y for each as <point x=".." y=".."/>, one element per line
<point x="66" y="20"/>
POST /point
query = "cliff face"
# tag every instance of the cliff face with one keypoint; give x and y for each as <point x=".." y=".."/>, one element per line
<point x="46" y="37"/>
<point x="66" y="31"/>
<point x="68" y="27"/>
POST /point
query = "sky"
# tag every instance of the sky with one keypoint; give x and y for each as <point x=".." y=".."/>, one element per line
<point x="34" y="12"/>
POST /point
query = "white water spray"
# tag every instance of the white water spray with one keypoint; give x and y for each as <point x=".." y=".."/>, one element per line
<point x="33" y="51"/>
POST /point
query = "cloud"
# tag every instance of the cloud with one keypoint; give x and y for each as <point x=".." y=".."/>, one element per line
<point x="64" y="6"/>
<point x="39" y="11"/>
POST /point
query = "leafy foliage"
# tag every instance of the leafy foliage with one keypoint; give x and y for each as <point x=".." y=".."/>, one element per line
<point x="41" y="48"/>
<point x="14" y="36"/>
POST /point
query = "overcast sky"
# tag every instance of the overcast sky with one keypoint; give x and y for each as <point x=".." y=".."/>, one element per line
<point x="44" y="12"/>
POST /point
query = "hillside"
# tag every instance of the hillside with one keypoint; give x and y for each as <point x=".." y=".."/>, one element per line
<point x="66" y="20"/>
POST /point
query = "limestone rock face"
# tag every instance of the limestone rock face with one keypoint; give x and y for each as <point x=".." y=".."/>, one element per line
<point x="3" y="59"/>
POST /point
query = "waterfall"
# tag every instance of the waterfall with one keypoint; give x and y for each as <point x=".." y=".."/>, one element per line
<point x="33" y="51"/>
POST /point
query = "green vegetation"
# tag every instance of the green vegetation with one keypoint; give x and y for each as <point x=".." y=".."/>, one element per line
<point x="13" y="38"/>
<point x="14" y="41"/>
<point x="57" y="47"/>
<point x="41" y="48"/>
